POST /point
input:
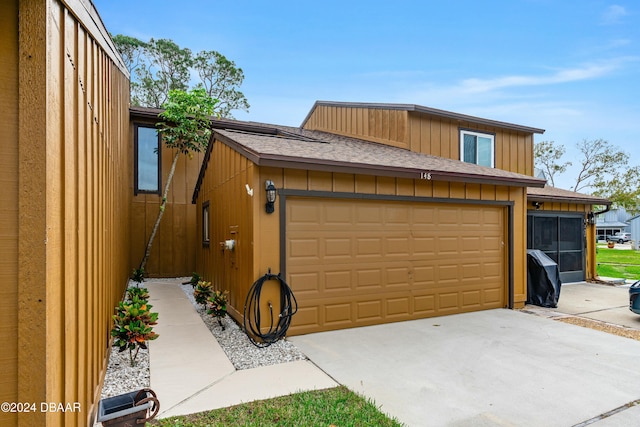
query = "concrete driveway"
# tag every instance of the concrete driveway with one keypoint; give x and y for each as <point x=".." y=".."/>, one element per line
<point x="490" y="368"/>
<point x="599" y="302"/>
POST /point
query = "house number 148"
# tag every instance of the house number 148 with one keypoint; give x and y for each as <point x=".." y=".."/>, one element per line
<point x="425" y="175"/>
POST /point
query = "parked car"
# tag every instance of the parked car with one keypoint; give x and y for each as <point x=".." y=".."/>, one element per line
<point x="619" y="237"/>
<point x="634" y="297"/>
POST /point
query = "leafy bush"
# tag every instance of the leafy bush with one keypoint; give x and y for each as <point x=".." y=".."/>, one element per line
<point x="202" y="292"/>
<point x="138" y="275"/>
<point x="142" y="294"/>
<point x="132" y="323"/>
<point x="195" y="278"/>
<point x="218" y="306"/>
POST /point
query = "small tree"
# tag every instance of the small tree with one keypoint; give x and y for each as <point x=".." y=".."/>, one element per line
<point x="185" y="128"/>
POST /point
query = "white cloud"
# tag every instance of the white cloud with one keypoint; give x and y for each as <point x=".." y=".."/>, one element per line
<point x="562" y="76"/>
<point x="614" y="14"/>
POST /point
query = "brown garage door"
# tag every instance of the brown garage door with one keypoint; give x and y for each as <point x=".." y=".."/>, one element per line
<point x="362" y="262"/>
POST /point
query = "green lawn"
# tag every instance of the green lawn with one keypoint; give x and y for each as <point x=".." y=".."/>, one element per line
<point x="623" y="264"/>
<point x="337" y="407"/>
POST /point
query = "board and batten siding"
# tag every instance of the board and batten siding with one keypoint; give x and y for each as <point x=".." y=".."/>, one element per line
<point x="232" y="216"/>
<point x="174" y="248"/>
<point x="9" y="213"/>
<point x="66" y="174"/>
<point x="422" y="133"/>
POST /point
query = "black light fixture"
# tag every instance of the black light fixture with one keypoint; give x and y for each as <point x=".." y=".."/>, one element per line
<point x="271" y="196"/>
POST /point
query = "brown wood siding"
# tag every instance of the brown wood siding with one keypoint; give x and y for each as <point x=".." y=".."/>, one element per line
<point x="73" y="174"/>
<point x="174" y="249"/>
<point x="423" y="133"/>
<point x="231" y="216"/>
<point x="384" y="126"/>
<point x="9" y="207"/>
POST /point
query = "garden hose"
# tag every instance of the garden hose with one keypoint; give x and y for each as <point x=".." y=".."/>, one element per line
<point x="253" y="317"/>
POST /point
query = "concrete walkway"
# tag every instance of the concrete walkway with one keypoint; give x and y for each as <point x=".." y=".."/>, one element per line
<point x="191" y="373"/>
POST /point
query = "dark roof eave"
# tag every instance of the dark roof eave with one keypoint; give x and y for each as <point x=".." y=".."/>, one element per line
<point x="391" y="171"/>
<point x="426" y="110"/>
<point x="560" y="199"/>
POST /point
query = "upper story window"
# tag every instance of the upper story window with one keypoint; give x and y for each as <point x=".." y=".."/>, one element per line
<point x="477" y="148"/>
<point x="147" y="159"/>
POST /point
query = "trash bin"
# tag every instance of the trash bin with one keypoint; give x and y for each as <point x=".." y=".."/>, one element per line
<point x="543" y="279"/>
<point x="128" y="409"/>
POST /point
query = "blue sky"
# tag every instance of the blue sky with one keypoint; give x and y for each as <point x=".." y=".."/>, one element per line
<point x="571" y="67"/>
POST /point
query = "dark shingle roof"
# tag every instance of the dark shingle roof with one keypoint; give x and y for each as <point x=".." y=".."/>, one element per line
<point x="314" y="150"/>
<point x="553" y="194"/>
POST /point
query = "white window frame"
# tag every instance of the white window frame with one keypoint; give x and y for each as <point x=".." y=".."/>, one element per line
<point x="490" y="136"/>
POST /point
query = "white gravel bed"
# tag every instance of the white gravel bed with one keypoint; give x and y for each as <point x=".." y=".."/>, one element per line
<point x="122" y="378"/>
<point x="242" y="353"/>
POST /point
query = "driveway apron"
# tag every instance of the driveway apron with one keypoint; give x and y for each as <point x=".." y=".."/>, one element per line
<point x="488" y="368"/>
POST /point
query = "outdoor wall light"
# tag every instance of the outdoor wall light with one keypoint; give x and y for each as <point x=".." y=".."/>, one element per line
<point x="537" y="205"/>
<point x="271" y="196"/>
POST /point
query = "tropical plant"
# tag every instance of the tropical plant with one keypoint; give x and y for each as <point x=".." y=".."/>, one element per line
<point x="195" y="278"/>
<point x="185" y="128"/>
<point x="132" y="327"/>
<point x="202" y="292"/>
<point x="140" y="294"/>
<point x="218" y="305"/>
<point x="138" y="275"/>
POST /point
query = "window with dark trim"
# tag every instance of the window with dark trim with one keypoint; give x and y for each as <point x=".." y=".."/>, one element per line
<point x="147" y="159"/>
<point x="477" y="148"/>
<point x="205" y="224"/>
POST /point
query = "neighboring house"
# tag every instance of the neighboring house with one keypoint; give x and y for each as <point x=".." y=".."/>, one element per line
<point x="64" y="222"/>
<point x="634" y="229"/>
<point x="612" y="222"/>
<point x="385" y="212"/>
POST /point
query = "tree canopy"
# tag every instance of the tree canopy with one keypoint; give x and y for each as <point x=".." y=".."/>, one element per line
<point x="160" y="65"/>
<point x="604" y="170"/>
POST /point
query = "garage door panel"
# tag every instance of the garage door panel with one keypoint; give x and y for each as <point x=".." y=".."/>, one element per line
<point x="398" y="307"/>
<point x="362" y="262"/>
<point x="304" y="248"/>
<point x="305" y="282"/>
<point x="370" y="279"/>
<point x="371" y="309"/>
<point x="337" y="248"/>
<point x="397" y="246"/>
<point x="368" y="247"/>
<point x="339" y="280"/>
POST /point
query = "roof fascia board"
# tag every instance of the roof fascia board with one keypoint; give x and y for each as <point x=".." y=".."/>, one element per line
<point x="560" y="199"/>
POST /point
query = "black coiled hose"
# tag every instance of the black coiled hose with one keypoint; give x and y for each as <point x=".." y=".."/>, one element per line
<point x="253" y="318"/>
